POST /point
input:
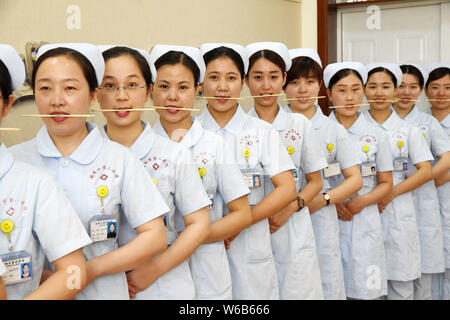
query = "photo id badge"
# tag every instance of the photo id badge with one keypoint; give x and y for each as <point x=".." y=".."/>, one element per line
<point x="295" y="174"/>
<point x="368" y="168"/>
<point x="401" y="164"/>
<point x="103" y="228"/>
<point x="18" y="267"/>
<point x="211" y="197"/>
<point x="333" y="169"/>
<point x="252" y="177"/>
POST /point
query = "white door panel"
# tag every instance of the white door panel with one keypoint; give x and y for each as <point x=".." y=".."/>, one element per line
<point x="415" y="32"/>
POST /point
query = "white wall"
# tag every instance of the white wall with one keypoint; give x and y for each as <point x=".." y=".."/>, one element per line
<point x="142" y="24"/>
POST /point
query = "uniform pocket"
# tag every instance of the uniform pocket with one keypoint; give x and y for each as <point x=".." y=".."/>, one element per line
<point x="210" y="270"/>
<point x="258" y="241"/>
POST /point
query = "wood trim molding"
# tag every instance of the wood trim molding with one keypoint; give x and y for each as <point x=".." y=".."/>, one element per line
<point x="322" y="46"/>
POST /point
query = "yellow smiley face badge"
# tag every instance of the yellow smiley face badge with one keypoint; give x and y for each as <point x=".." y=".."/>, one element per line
<point x="202" y="172"/>
<point x="290" y="150"/>
<point x="7" y="226"/>
<point x="102" y="192"/>
<point x="246" y="153"/>
<point x="330" y="147"/>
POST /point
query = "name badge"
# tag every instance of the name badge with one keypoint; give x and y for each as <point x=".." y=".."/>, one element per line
<point x="401" y="164"/>
<point x="368" y="168"/>
<point x="103" y="228"/>
<point x="252" y="177"/>
<point x="295" y="174"/>
<point x="18" y="267"/>
<point x="211" y="197"/>
<point x="333" y="169"/>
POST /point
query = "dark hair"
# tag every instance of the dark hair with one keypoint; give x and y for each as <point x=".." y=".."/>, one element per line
<point x="175" y="57"/>
<point x="303" y="67"/>
<point x="269" y="55"/>
<point x="5" y="81"/>
<point x="83" y="62"/>
<point x="437" y="74"/>
<point x="140" y="60"/>
<point x="388" y="72"/>
<point x="225" y="52"/>
<point x="409" y="69"/>
<point x="342" y="74"/>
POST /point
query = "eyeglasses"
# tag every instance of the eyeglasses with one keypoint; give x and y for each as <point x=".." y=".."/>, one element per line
<point x="111" y="88"/>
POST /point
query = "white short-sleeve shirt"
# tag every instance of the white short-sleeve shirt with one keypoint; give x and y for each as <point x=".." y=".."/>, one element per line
<point x="45" y="223"/>
<point x="171" y="167"/>
<point x="299" y="138"/>
<point x="414" y="145"/>
<point x="435" y="135"/>
<point x="98" y="162"/>
<point x="334" y="134"/>
<point x="366" y="135"/>
<point x="219" y="172"/>
<point x="445" y="123"/>
<point x="266" y="150"/>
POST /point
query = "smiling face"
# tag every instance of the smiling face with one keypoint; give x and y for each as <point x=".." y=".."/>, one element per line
<point x="174" y="87"/>
<point x="439" y="90"/>
<point x="302" y="88"/>
<point x="123" y="71"/>
<point x="222" y="79"/>
<point x="408" y="90"/>
<point x="61" y="88"/>
<point x="379" y="87"/>
<point x="265" y="78"/>
<point x="348" y="91"/>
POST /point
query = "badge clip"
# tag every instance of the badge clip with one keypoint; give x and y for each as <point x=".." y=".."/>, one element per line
<point x="7" y="226"/>
<point x="102" y="192"/>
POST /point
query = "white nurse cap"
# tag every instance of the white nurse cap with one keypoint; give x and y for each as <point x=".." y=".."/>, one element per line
<point x="207" y="47"/>
<point x="334" y="68"/>
<point x="422" y="70"/>
<point x="143" y="53"/>
<point x="194" y="53"/>
<point x="433" y="66"/>
<point x="305" y="52"/>
<point x="277" y="47"/>
<point x="90" y="51"/>
<point x="14" y="64"/>
<point x="392" y="67"/>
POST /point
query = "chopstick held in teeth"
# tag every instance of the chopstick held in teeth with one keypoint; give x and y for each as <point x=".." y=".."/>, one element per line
<point x="10" y="129"/>
<point x="59" y="115"/>
<point x="438" y="100"/>
<point x="308" y="98"/>
<point x="267" y="95"/>
<point x="353" y="105"/>
<point x="219" y="98"/>
<point x="149" y="108"/>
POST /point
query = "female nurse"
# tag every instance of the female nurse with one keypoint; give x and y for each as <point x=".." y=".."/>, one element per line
<point x="103" y="180"/>
<point x="36" y="218"/>
<point x="398" y="214"/>
<point x="179" y="72"/>
<point x="361" y="234"/>
<point x="292" y="235"/>
<point x="259" y="152"/>
<point x="303" y="83"/>
<point x="425" y="197"/>
<point x="437" y="89"/>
